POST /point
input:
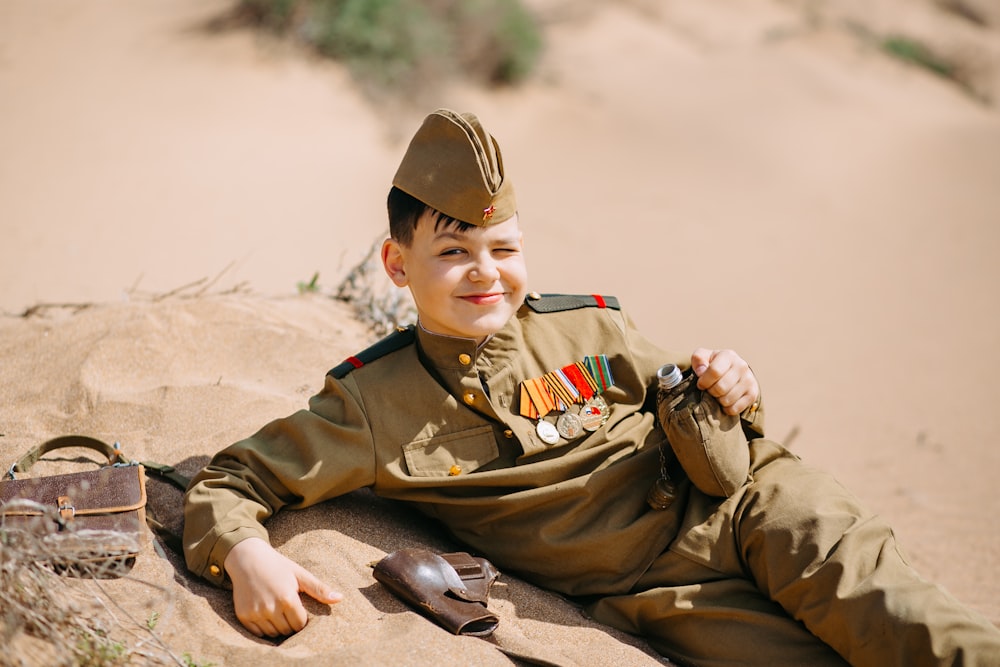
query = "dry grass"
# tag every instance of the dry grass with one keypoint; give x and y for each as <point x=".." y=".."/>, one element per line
<point x="377" y="303"/>
<point x="62" y="604"/>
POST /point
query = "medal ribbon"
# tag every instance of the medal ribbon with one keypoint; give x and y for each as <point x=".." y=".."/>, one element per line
<point x="527" y="407"/>
<point x="538" y="391"/>
<point x="557" y="390"/>
<point x="600" y="370"/>
<point x="562" y="388"/>
<point x="581" y="378"/>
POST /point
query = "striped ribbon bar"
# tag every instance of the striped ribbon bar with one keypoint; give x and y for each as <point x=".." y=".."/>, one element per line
<point x="539" y="393"/>
<point x="600" y="370"/>
<point x="581" y="379"/>
<point x="562" y="388"/>
<point x="527" y="407"/>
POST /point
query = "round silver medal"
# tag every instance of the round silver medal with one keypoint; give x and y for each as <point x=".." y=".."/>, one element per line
<point x="569" y="425"/>
<point x="594" y="413"/>
<point x="547" y="432"/>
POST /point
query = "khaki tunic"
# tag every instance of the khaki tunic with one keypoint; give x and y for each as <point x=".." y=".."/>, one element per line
<point x="572" y="515"/>
<point x="434" y="421"/>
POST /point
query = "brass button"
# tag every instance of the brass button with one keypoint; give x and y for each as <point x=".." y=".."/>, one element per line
<point x="215" y="570"/>
<point x="534" y="296"/>
<point x="455" y="470"/>
<point x="508" y="434"/>
<point x="464" y="359"/>
<point x="469" y="398"/>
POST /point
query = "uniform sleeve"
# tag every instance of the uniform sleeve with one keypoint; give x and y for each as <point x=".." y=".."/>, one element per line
<point x="306" y="458"/>
<point x="753" y="419"/>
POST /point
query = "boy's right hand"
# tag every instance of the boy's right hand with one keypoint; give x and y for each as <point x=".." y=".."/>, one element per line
<point x="266" y="587"/>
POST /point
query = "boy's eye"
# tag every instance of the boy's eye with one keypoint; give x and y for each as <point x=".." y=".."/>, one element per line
<point x="451" y="251"/>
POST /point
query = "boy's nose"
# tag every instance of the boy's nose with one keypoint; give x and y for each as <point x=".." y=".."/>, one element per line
<point x="484" y="269"/>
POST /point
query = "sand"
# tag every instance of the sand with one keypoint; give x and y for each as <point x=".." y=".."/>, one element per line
<point x="752" y="175"/>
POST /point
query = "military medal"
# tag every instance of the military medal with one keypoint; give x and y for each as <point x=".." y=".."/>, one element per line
<point x="560" y="390"/>
<point x="594" y="413"/>
<point x="547" y="432"/>
<point x="569" y="425"/>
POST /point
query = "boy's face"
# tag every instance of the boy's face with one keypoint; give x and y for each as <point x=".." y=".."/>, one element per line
<point x="465" y="284"/>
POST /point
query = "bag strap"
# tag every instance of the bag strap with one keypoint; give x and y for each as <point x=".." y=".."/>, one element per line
<point x="112" y="452"/>
<point x="169" y="473"/>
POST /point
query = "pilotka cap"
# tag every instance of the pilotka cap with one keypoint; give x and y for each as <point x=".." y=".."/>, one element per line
<point x="454" y="166"/>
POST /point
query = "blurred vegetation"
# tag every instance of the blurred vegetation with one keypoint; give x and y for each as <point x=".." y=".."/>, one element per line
<point x="406" y="46"/>
<point x="957" y="67"/>
<point x="918" y="54"/>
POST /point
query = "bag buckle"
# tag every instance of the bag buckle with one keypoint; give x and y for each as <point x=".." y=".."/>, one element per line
<point x="66" y="509"/>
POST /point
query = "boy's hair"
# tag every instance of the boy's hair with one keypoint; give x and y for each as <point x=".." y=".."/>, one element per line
<point x="406" y="210"/>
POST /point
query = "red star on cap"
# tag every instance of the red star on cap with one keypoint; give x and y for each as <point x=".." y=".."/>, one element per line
<point x="488" y="212"/>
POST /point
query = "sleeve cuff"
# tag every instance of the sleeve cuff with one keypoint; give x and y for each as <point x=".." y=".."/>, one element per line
<point x="214" y="569"/>
<point x="753" y="419"/>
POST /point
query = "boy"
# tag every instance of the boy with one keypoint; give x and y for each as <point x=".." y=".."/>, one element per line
<point x="528" y="426"/>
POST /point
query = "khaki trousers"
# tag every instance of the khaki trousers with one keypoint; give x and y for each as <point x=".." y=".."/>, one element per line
<point x="794" y="571"/>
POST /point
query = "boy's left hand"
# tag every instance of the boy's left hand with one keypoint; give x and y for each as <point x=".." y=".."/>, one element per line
<point x="726" y="376"/>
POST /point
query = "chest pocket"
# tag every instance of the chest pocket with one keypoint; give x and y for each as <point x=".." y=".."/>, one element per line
<point x="452" y="454"/>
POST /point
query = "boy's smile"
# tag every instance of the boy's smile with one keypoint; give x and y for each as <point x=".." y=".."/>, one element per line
<point x="464" y="283"/>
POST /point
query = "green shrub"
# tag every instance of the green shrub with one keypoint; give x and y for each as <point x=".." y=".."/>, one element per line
<point x="407" y="45"/>
<point x="962" y="72"/>
<point x="916" y="53"/>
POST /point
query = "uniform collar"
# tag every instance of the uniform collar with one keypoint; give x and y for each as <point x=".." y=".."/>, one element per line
<point x="447" y="352"/>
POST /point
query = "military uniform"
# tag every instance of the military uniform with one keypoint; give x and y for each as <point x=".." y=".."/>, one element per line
<point x="437" y="421"/>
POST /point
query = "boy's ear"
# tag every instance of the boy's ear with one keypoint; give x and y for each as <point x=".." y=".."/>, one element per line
<point x="392" y="262"/>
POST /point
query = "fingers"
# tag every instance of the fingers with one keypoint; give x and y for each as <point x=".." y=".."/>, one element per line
<point x="264" y="628"/>
<point x="278" y="617"/>
<point x="266" y="591"/>
<point x="316" y="589"/>
<point x="700" y="359"/>
<point x="283" y="615"/>
<point x="727" y="377"/>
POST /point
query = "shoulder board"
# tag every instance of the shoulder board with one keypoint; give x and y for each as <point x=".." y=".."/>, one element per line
<point x="554" y="303"/>
<point x="397" y="340"/>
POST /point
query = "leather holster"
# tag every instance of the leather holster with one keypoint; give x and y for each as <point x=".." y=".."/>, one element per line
<point x="451" y="589"/>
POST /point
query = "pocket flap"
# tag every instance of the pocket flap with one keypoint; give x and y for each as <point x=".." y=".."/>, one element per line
<point x="452" y="454"/>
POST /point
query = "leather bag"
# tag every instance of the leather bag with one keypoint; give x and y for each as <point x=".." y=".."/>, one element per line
<point x="89" y="523"/>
